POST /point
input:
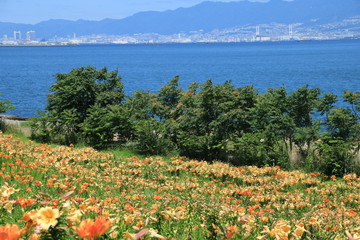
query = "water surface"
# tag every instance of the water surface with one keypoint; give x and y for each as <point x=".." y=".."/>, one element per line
<point x="26" y="73"/>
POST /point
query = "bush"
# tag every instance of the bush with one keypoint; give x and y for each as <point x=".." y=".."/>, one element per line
<point x="73" y="99"/>
<point x="81" y="89"/>
<point x="208" y="121"/>
<point x="4" y="106"/>
<point x="105" y="126"/>
<point x="151" y="138"/>
<point x="336" y="156"/>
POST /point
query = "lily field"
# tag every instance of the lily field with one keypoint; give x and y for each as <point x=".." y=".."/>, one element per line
<point x="64" y="192"/>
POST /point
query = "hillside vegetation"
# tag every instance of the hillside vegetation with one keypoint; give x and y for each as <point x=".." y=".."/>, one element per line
<point x="60" y="192"/>
<point x="200" y="18"/>
<point x="243" y="188"/>
<point x="303" y="129"/>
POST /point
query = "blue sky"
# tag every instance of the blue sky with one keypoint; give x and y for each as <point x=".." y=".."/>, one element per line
<point x="34" y="11"/>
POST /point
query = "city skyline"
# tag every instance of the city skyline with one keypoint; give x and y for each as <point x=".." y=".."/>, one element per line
<point x="273" y="21"/>
<point x="35" y="11"/>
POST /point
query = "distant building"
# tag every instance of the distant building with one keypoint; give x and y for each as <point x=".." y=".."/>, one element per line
<point x="17" y="35"/>
<point x="30" y="35"/>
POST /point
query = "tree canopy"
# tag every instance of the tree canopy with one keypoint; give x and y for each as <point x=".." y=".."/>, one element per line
<point x="207" y="121"/>
<point x="5" y="105"/>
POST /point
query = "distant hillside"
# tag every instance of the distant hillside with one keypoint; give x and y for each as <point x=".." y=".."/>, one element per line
<point x="206" y="16"/>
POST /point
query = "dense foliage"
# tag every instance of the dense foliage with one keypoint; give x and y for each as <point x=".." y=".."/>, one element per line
<point x="75" y="96"/>
<point x="4" y="106"/>
<point x="60" y="192"/>
<point x="304" y="128"/>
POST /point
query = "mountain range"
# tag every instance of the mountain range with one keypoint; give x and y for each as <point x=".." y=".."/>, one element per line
<point x="205" y="16"/>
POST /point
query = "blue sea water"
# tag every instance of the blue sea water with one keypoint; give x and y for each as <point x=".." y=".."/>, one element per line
<point x="26" y="73"/>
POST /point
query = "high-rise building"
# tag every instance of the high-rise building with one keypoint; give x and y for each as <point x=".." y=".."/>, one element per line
<point x="17" y="35"/>
<point x="290" y="30"/>
<point x="30" y="35"/>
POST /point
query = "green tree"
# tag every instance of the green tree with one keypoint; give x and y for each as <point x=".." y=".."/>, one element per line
<point x="335" y="156"/>
<point x="168" y="98"/>
<point x="105" y="126"/>
<point x="73" y="96"/>
<point x="326" y="103"/>
<point x="82" y="88"/>
<point x="303" y="103"/>
<point x="342" y="123"/>
<point x="337" y="149"/>
<point x="140" y="105"/>
<point x="354" y="100"/>
<point x="272" y="114"/>
<point x="5" y="105"/>
<point x="151" y="137"/>
<point x="151" y="116"/>
<point x="271" y="120"/>
<point x="209" y="116"/>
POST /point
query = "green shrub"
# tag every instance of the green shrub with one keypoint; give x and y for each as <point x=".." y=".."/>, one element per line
<point x="151" y="138"/>
<point x="106" y="126"/>
<point x="73" y="99"/>
<point x="4" y="106"/>
<point x="336" y="156"/>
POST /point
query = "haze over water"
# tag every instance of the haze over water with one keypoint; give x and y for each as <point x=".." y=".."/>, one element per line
<point x="26" y="73"/>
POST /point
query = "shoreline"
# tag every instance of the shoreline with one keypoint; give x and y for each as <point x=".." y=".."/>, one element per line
<point x="39" y="45"/>
<point x="13" y="118"/>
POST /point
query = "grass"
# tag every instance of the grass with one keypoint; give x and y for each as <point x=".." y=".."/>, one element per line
<point x="159" y="198"/>
<point x="59" y="192"/>
<point x="120" y="152"/>
<point x="14" y="130"/>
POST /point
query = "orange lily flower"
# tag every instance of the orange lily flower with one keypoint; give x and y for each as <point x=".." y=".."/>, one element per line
<point x="90" y="229"/>
<point x="10" y="232"/>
